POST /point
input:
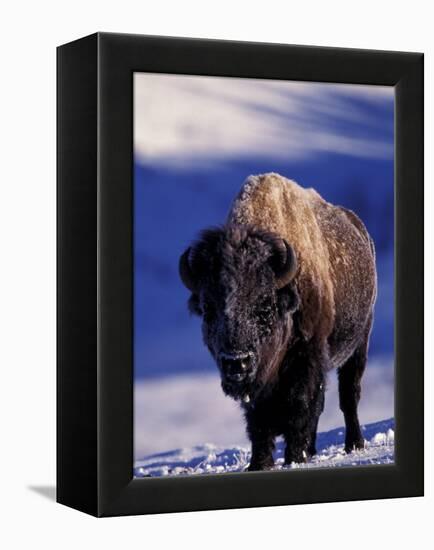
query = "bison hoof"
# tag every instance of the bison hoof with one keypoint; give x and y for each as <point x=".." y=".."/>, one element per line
<point x="260" y="466"/>
<point x="354" y="446"/>
<point x="297" y="457"/>
<point x="311" y="452"/>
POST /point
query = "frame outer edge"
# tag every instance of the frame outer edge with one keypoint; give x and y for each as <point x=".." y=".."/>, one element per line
<point x="119" y="57"/>
<point x="76" y="276"/>
<point x="409" y="315"/>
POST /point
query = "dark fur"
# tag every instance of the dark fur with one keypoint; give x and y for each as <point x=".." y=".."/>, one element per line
<point x="235" y="268"/>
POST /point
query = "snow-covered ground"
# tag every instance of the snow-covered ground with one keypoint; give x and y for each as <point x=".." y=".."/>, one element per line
<point x="184" y="411"/>
<point x="212" y="459"/>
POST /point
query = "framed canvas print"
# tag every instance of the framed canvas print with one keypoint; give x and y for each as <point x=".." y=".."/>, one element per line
<point x="240" y="274"/>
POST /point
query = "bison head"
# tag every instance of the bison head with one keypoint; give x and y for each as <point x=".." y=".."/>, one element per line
<point x="241" y="280"/>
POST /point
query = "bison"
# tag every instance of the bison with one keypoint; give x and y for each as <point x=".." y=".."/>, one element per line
<point x="286" y="291"/>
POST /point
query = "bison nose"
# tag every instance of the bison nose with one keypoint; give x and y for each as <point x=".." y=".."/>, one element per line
<point x="235" y="367"/>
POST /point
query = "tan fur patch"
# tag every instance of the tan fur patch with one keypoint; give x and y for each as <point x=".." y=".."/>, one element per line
<point x="277" y="204"/>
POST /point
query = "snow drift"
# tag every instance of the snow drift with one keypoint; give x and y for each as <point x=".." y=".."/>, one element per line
<point x="212" y="459"/>
<point x="185" y="410"/>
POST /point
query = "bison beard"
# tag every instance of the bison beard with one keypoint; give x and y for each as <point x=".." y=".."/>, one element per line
<point x="269" y="322"/>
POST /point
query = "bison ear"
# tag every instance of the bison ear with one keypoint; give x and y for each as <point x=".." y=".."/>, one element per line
<point x="194" y="305"/>
<point x="288" y="299"/>
<point x="284" y="263"/>
<point x="293" y="299"/>
<point x="195" y="261"/>
<point x="186" y="271"/>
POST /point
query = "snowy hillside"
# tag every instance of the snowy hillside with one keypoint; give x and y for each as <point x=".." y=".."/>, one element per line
<point x="211" y="459"/>
<point x="183" y="411"/>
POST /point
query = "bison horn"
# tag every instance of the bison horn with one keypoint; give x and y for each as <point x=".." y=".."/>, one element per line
<point x="185" y="271"/>
<point x="286" y="267"/>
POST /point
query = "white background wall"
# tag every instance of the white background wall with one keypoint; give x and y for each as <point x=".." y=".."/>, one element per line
<point x="29" y="33"/>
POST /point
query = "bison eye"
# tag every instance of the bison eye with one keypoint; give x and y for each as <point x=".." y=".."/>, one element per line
<point x="264" y="311"/>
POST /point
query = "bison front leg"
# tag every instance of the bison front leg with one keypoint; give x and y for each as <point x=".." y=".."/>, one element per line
<point x="262" y="454"/>
<point x="315" y="412"/>
<point x="305" y="408"/>
<point x="262" y="441"/>
<point x="297" y="438"/>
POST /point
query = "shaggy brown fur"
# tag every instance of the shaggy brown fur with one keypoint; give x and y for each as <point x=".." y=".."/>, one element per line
<point x="336" y="280"/>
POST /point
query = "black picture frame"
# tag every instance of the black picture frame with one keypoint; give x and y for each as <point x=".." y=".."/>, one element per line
<point x="95" y="274"/>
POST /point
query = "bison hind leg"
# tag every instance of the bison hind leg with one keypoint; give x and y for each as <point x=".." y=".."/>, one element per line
<point x="350" y="377"/>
